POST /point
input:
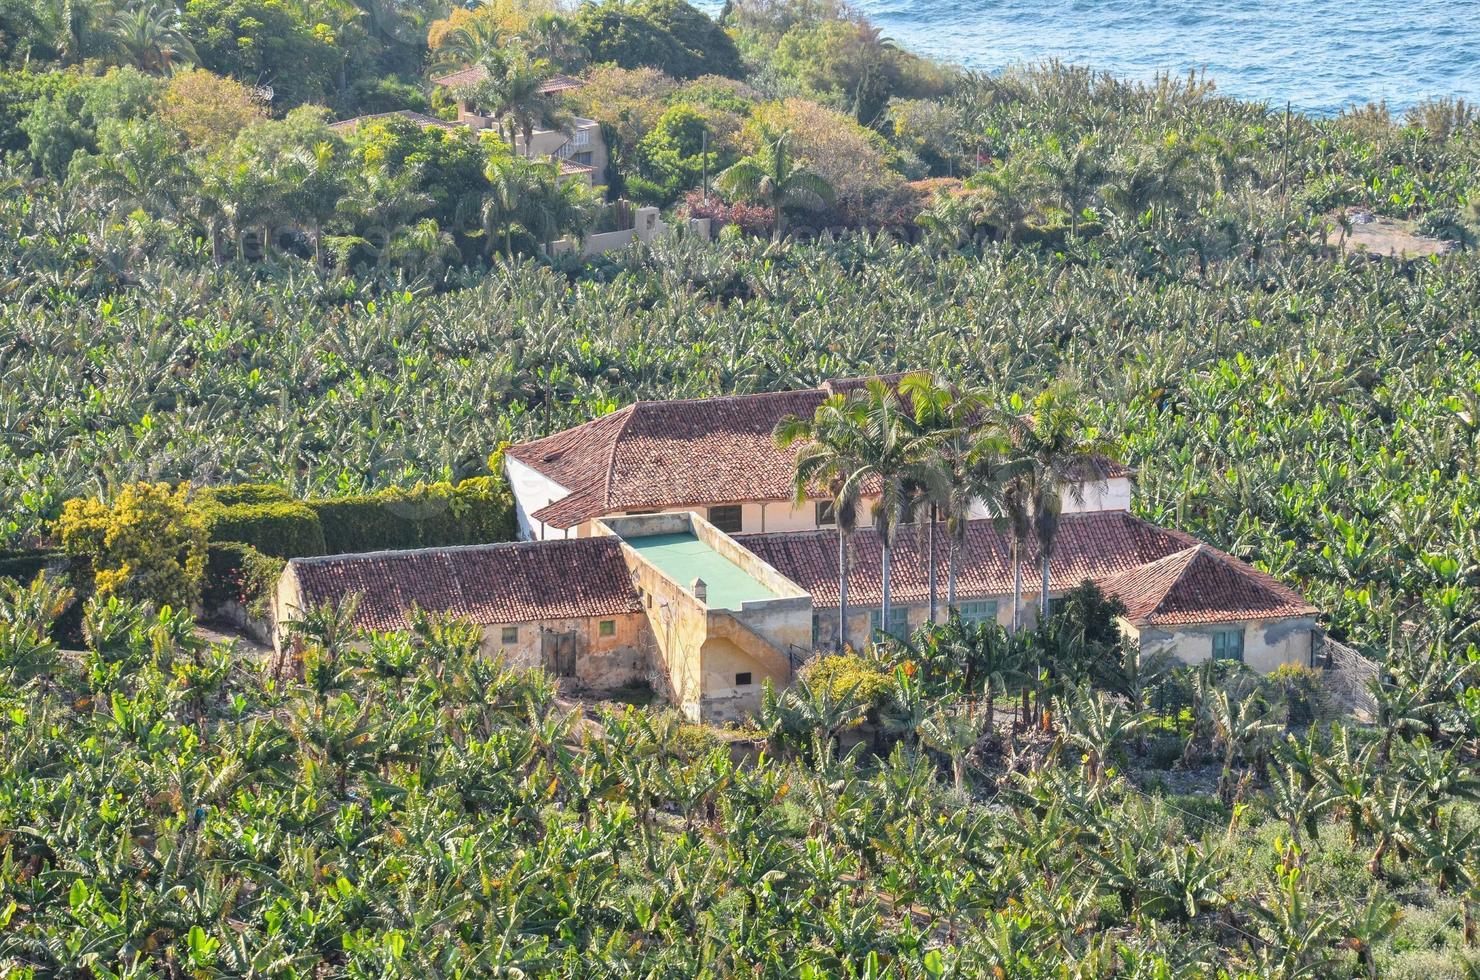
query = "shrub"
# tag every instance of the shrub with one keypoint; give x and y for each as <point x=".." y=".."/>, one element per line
<point x="754" y="219"/>
<point x="1298" y="689"/>
<point x="148" y="544"/>
<point x="475" y="511"/>
<point x="246" y="493"/>
<point x="282" y="529"/>
<point x="240" y="573"/>
<point x="869" y="682"/>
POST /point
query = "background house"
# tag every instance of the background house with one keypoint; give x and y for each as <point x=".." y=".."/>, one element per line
<point x="577" y="146"/>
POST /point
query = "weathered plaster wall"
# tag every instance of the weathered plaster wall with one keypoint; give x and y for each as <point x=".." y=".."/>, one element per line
<point x="700" y="650"/>
<point x="1267" y="643"/>
<point x="859" y="616"/>
<point x="601" y="662"/>
<point x="287" y="605"/>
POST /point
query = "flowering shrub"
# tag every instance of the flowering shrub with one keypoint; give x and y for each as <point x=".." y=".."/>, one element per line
<point x="753" y="219"/>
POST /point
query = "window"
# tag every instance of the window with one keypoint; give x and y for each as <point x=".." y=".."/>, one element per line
<point x="583" y="158"/>
<point x="899" y="621"/>
<point x="826" y="515"/>
<point x="973" y="613"/>
<point x="607" y="627"/>
<point x="1228" y="645"/>
<point x="726" y="518"/>
<point x="742" y="679"/>
<point x="511" y="635"/>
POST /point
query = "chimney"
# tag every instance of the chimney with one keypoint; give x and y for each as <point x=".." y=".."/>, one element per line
<point x="700" y="590"/>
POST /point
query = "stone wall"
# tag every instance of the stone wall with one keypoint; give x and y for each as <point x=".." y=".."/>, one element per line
<point x="1345" y="675"/>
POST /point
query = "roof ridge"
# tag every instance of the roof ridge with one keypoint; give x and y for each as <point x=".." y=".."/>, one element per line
<point x="611" y="453"/>
<point x="435" y="549"/>
<point x="734" y="395"/>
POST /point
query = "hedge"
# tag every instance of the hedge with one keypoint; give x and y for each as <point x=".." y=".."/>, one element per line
<point x="247" y="493"/>
<point x="283" y="529"/>
<point x="25" y="565"/>
<point x="475" y="511"/>
<point x="239" y="573"/>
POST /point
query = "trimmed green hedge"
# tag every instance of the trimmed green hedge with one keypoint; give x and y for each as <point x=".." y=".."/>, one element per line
<point x="282" y="529"/>
<point x="25" y="565"/>
<point x="476" y="511"/>
<point x="242" y="574"/>
<point x="247" y="493"/>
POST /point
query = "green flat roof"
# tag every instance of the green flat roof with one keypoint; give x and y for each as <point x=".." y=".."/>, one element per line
<point x="683" y="558"/>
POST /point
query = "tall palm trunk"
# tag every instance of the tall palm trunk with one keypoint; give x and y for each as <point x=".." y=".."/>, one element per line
<point x="1043" y="585"/>
<point x="885" y="557"/>
<point x="930" y="559"/>
<point x="842" y="590"/>
<point x="952" y="560"/>
<point x="1017" y="584"/>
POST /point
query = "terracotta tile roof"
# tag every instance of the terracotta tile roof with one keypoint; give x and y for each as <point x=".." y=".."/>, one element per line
<point x="659" y="454"/>
<point x="1093" y="546"/>
<point x="1203" y="585"/>
<point x="560" y="83"/>
<point x="420" y="118"/>
<point x="474" y="74"/>
<point x="696" y="451"/>
<point x="496" y="583"/>
<point x="471" y="75"/>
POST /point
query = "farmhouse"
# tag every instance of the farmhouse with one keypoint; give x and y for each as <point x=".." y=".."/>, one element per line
<point x="714" y="456"/>
<point x="664" y="546"/>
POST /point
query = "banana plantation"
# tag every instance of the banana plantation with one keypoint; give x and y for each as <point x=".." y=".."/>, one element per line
<point x="400" y="805"/>
<point x="964" y="803"/>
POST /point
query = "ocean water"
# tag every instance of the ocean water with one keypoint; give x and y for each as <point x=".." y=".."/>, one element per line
<point x="1320" y="55"/>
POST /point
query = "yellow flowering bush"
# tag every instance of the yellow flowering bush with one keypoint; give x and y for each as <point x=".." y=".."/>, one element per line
<point x="148" y="543"/>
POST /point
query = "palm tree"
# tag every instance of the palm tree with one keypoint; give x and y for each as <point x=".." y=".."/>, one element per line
<point x="1059" y="450"/>
<point x="938" y="410"/>
<point x="829" y="458"/>
<point x="145" y="171"/>
<point x="315" y="186"/>
<point x="900" y="456"/>
<point x="506" y="205"/>
<point x="512" y="93"/>
<point x="775" y="179"/>
<point x="559" y="206"/>
<point x="1016" y="499"/>
<point x="150" y="38"/>
<point x="1074" y="174"/>
<point x="1006" y="196"/>
<point x="475" y="41"/>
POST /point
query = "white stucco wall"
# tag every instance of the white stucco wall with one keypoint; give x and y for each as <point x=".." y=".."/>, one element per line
<point x="1113" y="494"/>
<point x="532" y="490"/>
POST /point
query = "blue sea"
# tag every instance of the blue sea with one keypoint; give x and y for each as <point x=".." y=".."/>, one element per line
<point x="1320" y="55"/>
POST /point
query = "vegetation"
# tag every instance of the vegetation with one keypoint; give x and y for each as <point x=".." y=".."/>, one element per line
<point x="147" y="544"/>
<point x="203" y="282"/>
<point x="396" y="803"/>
